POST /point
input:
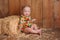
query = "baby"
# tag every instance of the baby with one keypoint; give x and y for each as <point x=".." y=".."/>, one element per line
<point x="26" y="22"/>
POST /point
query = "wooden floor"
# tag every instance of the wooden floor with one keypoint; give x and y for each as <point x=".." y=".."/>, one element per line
<point x="47" y="34"/>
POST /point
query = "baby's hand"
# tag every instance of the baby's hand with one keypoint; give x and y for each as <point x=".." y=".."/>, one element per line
<point x="33" y="20"/>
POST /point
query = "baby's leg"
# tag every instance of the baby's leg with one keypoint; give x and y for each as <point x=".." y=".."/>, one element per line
<point x="29" y="30"/>
<point x="34" y="26"/>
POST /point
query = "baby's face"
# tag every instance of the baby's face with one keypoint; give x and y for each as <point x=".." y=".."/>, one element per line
<point x="26" y="11"/>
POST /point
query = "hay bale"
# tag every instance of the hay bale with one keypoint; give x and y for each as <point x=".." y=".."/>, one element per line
<point x="5" y="28"/>
<point x="13" y="24"/>
<point x="10" y="25"/>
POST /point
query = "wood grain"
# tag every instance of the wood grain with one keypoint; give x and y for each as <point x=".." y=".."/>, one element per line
<point x="3" y="8"/>
<point x="13" y="7"/>
<point x="57" y="13"/>
<point x="48" y="13"/>
<point x="37" y="11"/>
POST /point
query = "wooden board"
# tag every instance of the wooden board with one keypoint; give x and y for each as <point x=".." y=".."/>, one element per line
<point x="13" y="7"/>
<point x="3" y="8"/>
<point x="37" y="11"/>
<point x="57" y="13"/>
<point x="48" y="13"/>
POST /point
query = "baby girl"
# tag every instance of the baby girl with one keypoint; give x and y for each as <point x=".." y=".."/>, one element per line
<point x="26" y="22"/>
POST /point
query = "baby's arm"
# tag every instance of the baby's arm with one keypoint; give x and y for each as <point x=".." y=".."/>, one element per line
<point x="33" y="20"/>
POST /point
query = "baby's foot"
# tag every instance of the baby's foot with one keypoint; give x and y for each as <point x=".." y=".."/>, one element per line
<point x="39" y="30"/>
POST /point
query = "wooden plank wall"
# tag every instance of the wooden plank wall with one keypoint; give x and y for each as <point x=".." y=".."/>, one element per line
<point x="3" y="8"/>
<point x="13" y="7"/>
<point x="37" y="11"/>
<point x="57" y="13"/>
<point x="47" y="12"/>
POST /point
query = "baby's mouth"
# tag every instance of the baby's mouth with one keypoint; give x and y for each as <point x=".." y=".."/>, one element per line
<point x="26" y="14"/>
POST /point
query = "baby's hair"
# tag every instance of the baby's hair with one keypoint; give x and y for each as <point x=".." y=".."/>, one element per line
<point x="25" y="6"/>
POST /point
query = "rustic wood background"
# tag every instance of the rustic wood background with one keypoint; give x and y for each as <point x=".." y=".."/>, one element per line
<point x="47" y="12"/>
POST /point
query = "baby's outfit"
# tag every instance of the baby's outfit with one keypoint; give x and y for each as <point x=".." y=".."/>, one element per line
<point x="25" y="21"/>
